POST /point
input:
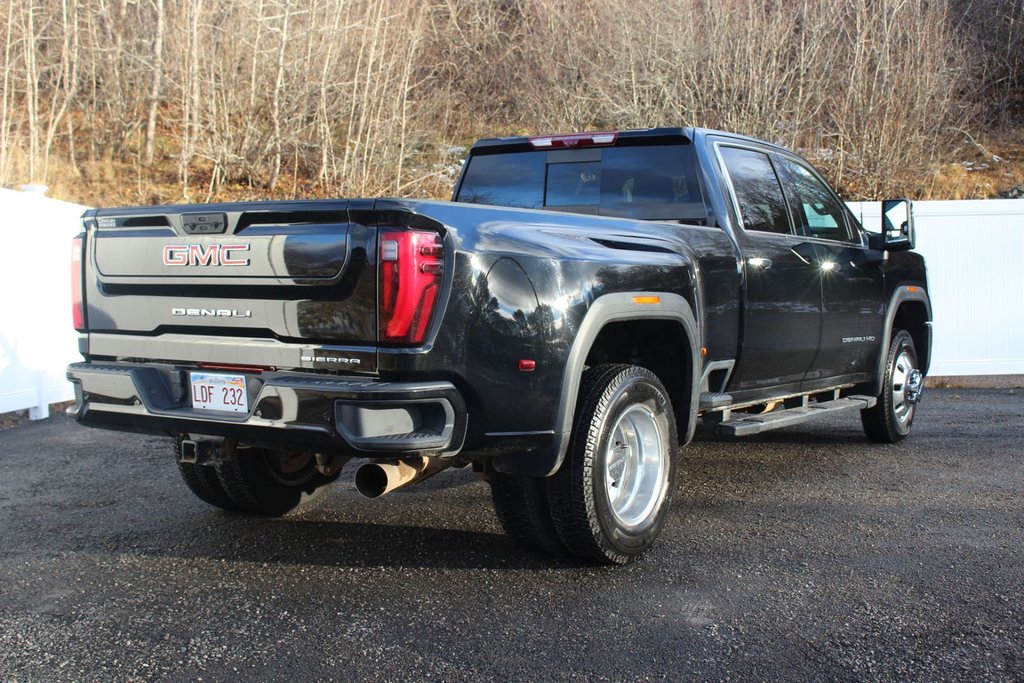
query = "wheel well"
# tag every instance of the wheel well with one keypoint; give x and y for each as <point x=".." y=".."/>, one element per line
<point x="661" y="346"/>
<point x="912" y="316"/>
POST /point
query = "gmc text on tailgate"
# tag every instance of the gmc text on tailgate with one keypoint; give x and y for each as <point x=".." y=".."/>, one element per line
<point x="562" y="327"/>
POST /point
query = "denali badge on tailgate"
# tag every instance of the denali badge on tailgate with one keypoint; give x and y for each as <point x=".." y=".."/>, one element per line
<point x="212" y="312"/>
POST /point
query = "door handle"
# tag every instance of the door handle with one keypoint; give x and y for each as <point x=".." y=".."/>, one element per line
<point x="759" y="262"/>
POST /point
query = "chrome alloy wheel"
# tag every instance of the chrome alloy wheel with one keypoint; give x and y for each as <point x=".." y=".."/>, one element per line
<point x="636" y="467"/>
<point x="907" y="385"/>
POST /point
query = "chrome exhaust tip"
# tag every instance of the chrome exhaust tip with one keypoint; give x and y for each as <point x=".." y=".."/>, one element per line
<point x="374" y="479"/>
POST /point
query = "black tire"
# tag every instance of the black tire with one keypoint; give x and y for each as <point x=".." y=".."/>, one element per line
<point x="578" y="494"/>
<point x="521" y="505"/>
<point x="273" y="482"/>
<point x="887" y="421"/>
<point x="203" y="482"/>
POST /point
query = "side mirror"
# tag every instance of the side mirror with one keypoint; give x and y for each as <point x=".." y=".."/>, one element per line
<point x="897" y="225"/>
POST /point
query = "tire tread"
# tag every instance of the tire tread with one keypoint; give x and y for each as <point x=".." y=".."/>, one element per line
<point x="248" y="483"/>
<point x="571" y="499"/>
<point x="878" y="421"/>
<point x="521" y="506"/>
<point x="202" y="480"/>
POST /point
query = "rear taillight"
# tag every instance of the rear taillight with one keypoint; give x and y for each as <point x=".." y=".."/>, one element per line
<point x="411" y="269"/>
<point x="77" y="302"/>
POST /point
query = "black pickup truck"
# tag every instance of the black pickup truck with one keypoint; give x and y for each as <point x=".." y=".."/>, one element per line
<point x="562" y="327"/>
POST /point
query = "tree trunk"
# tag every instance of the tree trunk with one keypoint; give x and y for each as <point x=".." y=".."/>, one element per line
<point x="154" y="92"/>
<point x="275" y="172"/>
<point x="4" y="133"/>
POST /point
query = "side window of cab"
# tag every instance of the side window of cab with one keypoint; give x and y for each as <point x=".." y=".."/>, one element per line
<point x="816" y="211"/>
<point x="759" y="198"/>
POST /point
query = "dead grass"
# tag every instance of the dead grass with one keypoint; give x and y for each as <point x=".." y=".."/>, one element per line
<point x="19" y="417"/>
<point x="987" y="168"/>
<point x="1010" y="382"/>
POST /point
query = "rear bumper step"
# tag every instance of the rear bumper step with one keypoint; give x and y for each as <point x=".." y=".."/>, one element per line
<point x="747" y="425"/>
<point x="302" y="410"/>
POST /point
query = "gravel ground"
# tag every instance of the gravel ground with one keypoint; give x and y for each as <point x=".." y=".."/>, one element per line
<point x="806" y="553"/>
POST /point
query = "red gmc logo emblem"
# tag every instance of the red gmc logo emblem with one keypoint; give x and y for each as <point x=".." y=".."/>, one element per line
<point x="205" y="255"/>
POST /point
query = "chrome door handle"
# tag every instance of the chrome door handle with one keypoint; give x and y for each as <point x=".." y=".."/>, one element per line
<point x="759" y="262"/>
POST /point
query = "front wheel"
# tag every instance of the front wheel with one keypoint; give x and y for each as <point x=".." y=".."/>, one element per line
<point x="892" y="416"/>
<point x="610" y="497"/>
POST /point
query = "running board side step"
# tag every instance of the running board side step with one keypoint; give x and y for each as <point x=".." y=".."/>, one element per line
<point x="714" y="401"/>
<point x="755" y="424"/>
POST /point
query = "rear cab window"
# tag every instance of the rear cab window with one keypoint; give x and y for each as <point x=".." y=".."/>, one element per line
<point x="646" y="182"/>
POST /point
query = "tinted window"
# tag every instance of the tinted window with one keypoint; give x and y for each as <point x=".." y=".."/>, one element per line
<point x="576" y="184"/>
<point x="816" y="211"/>
<point x="515" y="179"/>
<point x="758" y="193"/>
<point x="649" y="182"/>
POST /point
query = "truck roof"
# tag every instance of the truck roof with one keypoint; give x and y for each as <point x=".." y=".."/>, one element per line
<point x="640" y="136"/>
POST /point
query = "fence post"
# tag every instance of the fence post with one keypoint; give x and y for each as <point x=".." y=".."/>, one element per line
<point x="41" y="410"/>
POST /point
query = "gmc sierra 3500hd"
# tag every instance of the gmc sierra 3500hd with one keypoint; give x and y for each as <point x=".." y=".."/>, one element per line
<point x="561" y="326"/>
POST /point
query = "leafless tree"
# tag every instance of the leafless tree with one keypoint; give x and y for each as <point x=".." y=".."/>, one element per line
<point x="355" y="97"/>
<point x="158" y="73"/>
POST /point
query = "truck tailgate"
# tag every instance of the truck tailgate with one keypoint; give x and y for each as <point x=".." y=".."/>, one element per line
<point x="285" y="272"/>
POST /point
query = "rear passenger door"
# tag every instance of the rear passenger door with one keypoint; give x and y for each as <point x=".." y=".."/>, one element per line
<point x="851" y="286"/>
<point x="782" y="303"/>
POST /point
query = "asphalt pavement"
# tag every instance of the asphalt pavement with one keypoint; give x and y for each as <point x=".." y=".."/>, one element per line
<point x="806" y="553"/>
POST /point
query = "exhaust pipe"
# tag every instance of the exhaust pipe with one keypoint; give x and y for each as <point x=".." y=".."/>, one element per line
<point x="374" y="479"/>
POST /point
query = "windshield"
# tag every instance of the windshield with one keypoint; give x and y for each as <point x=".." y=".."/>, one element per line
<point x="644" y="182"/>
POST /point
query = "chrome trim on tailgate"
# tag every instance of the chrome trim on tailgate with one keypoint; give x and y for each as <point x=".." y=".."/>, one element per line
<point x="187" y="348"/>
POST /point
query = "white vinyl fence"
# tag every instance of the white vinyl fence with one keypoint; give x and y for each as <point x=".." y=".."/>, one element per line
<point x="975" y="255"/>
<point x="36" y="337"/>
<point x="974" y="250"/>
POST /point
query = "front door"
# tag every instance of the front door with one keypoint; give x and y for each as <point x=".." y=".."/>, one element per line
<point x="851" y="284"/>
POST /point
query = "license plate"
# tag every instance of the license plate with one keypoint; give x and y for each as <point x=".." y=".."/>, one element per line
<point x="224" y="393"/>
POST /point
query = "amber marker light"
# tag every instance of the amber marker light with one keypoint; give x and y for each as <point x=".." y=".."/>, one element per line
<point x="647" y="299"/>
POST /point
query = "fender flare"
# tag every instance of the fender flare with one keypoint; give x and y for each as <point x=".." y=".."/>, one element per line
<point x="900" y="296"/>
<point x="609" y="308"/>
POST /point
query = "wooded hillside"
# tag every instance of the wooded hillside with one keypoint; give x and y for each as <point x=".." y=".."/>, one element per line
<point x="115" y="101"/>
